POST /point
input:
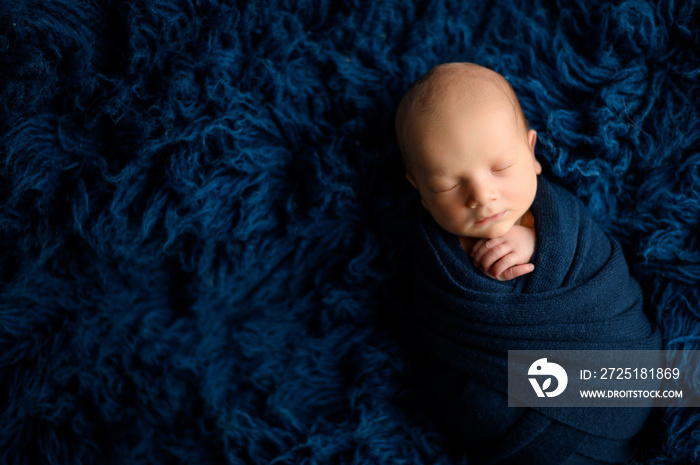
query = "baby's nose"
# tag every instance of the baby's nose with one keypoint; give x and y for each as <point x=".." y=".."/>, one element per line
<point x="481" y="198"/>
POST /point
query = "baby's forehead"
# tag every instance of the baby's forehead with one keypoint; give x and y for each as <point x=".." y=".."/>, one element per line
<point x="463" y="90"/>
<point x="452" y="92"/>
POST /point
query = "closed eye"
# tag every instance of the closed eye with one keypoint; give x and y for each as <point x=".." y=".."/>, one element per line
<point x="445" y="190"/>
<point x="497" y="170"/>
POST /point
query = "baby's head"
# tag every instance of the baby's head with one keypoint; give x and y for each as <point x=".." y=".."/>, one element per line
<point x="468" y="150"/>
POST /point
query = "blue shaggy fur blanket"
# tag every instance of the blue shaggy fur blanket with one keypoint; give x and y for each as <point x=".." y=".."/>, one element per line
<point x="203" y="214"/>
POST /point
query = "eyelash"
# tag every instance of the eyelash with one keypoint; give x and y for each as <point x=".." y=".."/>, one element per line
<point x="502" y="169"/>
<point x="446" y="190"/>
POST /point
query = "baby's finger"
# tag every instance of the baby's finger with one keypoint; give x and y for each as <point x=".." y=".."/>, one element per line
<point x="496" y="254"/>
<point x="515" y="271"/>
<point x="476" y="250"/>
<point x="481" y="248"/>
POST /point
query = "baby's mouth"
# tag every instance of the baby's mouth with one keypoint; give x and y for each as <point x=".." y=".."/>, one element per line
<point x="489" y="219"/>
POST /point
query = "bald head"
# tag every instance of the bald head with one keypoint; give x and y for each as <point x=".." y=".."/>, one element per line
<point x="450" y="88"/>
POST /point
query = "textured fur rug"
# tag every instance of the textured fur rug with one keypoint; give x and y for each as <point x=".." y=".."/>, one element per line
<point x="202" y="212"/>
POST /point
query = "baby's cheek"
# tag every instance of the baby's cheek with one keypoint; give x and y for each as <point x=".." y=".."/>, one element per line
<point x="453" y="222"/>
<point x="444" y="210"/>
<point x="444" y="200"/>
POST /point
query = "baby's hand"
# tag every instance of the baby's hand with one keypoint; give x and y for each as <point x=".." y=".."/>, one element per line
<point x="506" y="257"/>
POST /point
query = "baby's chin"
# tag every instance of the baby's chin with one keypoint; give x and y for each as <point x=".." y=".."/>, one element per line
<point x="471" y="230"/>
<point x="490" y="232"/>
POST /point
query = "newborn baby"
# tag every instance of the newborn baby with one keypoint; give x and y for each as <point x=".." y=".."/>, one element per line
<point x="468" y="150"/>
<point x="489" y="213"/>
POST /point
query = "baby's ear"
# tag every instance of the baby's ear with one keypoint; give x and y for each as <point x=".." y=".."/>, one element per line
<point x="413" y="183"/>
<point x="532" y="140"/>
<point x="411" y="180"/>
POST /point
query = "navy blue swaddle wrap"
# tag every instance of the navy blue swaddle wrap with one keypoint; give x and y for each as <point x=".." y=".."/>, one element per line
<point x="580" y="296"/>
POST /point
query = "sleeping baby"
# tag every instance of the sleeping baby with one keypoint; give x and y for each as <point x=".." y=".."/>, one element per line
<point x="505" y="260"/>
<point x="468" y="150"/>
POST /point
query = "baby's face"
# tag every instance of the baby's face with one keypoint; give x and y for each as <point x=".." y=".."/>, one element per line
<point x="476" y="171"/>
